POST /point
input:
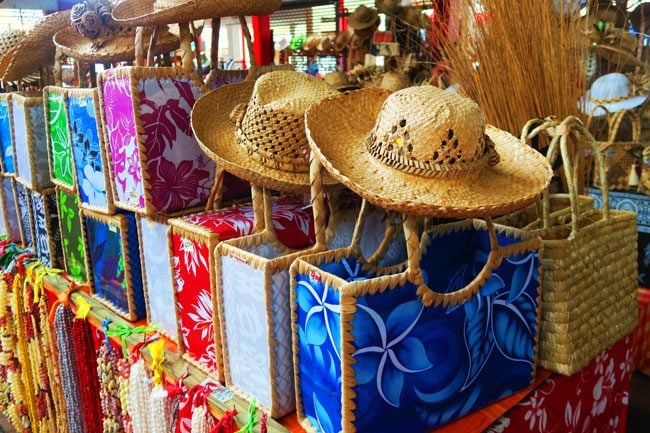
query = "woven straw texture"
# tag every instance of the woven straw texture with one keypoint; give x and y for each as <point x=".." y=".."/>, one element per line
<point x="8" y="41"/>
<point x="590" y="285"/>
<point x="255" y="130"/>
<point x="119" y="47"/>
<point x="36" y="49"/>
<point x="158" y="12"/>
<point x="619" y="154"/>
<point x="425" y="152"/>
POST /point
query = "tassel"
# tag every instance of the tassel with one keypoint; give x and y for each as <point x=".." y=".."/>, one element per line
<point x="252" y="411"/>
<point x="226" y="424"/>
<point x="263" y="421"/>
<point x="84" y="348"/>
<point x="124" y="332"/>
<point x="202" y="419"/>
<point x="633" y="178"/>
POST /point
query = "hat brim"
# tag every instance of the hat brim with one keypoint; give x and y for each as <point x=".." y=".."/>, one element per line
<point x="142" y="12"/>
<point x="617" y="56"/>
<point x="360" y="25"/>
<point x="118" y="48"/>
<point x="591" y="108"/>
<point x="36" y="49"/>
<point x="516" y="181"/>
<point x="216" y="133"/>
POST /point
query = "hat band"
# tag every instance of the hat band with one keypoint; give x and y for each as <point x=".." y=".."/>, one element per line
<point x="611" y="100"/>
<point x="429" y="169"/>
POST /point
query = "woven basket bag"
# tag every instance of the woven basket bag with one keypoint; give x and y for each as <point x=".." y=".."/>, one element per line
<point x="589" y="268"/>
<point x="619" y="156"/>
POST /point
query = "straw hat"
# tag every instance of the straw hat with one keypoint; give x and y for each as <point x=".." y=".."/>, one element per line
<point x="614" y="92"/>
<point x="311" y="43"/>
<point x="36" y="49"/>
<point x="388" y="6"/>
<point x="339" y="81"/>
<point x="363" y="17"/>
<point x="116" y="47"/>
<point x="160" y="12"/>
<point x="256" y="130"/>
<point x="8" y="41"/>
<point x="424" y="151"/>
<point x="394" y="81"/>
<point x="342" y="40"/>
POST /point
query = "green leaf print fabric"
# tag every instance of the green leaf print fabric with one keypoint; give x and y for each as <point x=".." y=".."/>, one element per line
<point x="71" y="235"/>
<point x="60" y="145"/>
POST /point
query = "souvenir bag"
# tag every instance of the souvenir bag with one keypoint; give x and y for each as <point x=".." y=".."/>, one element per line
<point x="7" y="147"/>
<point x="22" y="197"/>
<point x="89" y="152"/>
<point x="47" y="232"/>
<point x="192" y="242"/>
<point x="155" y="163"/>
<point x="155" y="262"/>
<point x="621" y="156"/>
<point x="590" y="274"/>
<point x="381" y="349"/>
<point x="256" y="266"/>
<point x="113" y="259"/>
<point x="9" y="209"/>
<point x="72" y="235"/>
<point x="31" y="160"/>
<point x="58" y="137"/>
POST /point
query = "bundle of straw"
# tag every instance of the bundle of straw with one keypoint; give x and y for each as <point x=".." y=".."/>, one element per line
<point x="525" y="60"/>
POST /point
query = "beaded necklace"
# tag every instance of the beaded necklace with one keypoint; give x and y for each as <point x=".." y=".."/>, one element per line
<point x="84" y="351"/>
<point x="114" y="417"/>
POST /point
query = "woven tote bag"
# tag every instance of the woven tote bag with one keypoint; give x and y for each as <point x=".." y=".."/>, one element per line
<point x="259" y="364"/>
<point x="590" y="274"/>
<point x="620" y="156"/>
<point x="388" y="349"/>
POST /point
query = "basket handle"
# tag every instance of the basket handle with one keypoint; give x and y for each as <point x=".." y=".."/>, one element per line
<point x="414" y="271"/>
<point x="614" y="123"/>
<point x="563" y="130"/>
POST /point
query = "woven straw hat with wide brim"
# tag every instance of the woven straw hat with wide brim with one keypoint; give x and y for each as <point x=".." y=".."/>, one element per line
<point x="160" y="12"/>
<point x="36" y="49"/>
<point x="119" y="47"/>
<point x="433" y="155"/>
<point x="214" y="121"/>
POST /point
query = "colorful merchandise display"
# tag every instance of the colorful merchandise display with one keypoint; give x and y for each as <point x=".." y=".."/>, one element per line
<point x="236" y="248"/>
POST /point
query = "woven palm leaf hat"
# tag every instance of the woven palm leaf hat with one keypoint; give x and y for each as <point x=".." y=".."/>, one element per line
<point x="160" y="12"/>
<point x="424" y="151"/>
<point x="8" y="41"/>
<point x="256" y="129"/>
<point x="93" y="35"/>
<point x="36" y="49"/>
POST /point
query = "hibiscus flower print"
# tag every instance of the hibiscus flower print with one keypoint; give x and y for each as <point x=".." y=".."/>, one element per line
<point x="385" y="351"/>
<point x="194" y="260"/>
<point x="174" y="186"/>
<point x="202" y="316"/>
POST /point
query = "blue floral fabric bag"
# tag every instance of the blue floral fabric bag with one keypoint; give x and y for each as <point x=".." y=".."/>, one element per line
<point x="114" y="261"/>
<point x="390" y="351"/>
<point x="89" y="151"/>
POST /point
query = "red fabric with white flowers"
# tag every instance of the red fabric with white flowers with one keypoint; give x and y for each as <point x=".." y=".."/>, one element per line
<point x="594" y="400"/>
<point x="641" y="352"/>
<point x="293" y="223"/>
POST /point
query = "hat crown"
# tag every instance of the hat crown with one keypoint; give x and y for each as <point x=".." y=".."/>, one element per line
<point x="611" y="86"/>
<point x="273" y="126"/>
<point x="427" y="131"/>
<point x="363" y="13"/>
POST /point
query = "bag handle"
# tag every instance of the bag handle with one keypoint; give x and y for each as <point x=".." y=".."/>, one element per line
<point x="562" y="130"/>
<point x="414" y="271"/>
<point x="615" y="124"/>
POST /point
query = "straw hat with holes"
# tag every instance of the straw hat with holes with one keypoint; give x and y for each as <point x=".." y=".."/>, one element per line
<point x="36" y="49"/>
<point x="159" y="12"/>
<point x="116" y="46"/>
<point x="256" y="130"/>
<point x="424" y="151"/>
